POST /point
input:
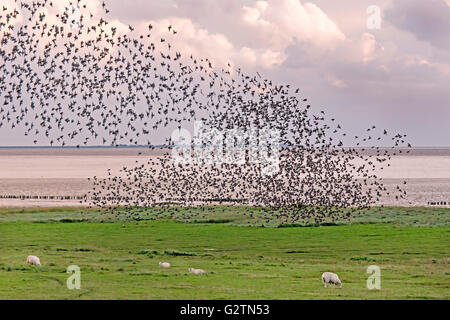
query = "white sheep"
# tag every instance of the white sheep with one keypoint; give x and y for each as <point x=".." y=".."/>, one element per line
<point x="196" y="271"/>
<point x="164" y="265"/>
<point x="330" y="277"/>
<point x="33" y="260"/>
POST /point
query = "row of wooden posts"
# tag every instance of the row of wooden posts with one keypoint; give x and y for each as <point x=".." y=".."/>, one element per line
<point x="34" y="197"/>
<point x="438" y="203"/>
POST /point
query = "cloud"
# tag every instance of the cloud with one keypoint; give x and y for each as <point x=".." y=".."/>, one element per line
<point x="265" y="58"/>
<point x="272" y="25"/>
<point x="368" y="46"/>
<point x="255" y="34"/>
<point x="335" y="82"/>
<point x="428" y="21"/>
<point x="280" y="23"/>
<point x="192" y="39"/>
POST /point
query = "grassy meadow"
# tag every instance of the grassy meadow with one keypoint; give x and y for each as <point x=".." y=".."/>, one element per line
<point x="243" y="260"/>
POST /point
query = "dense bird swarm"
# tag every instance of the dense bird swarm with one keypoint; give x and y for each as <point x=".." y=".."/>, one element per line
<point x="73" y="78"/>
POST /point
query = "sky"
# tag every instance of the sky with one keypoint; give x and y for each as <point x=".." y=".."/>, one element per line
<point x="393" y="72"/>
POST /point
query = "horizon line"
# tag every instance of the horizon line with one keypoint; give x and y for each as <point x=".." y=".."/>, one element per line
<point x="161" y="146"/>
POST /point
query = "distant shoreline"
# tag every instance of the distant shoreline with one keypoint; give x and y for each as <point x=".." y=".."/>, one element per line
<point x="87" y="147"/>
<point x="124" y="150"/>
<point x="169" y="147"/>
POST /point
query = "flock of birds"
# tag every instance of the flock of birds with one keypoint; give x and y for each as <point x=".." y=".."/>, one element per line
<point x="76" y="79"/>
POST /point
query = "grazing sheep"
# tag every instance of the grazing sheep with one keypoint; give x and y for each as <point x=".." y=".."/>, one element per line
<point x="196" y="271"/>
<point x="33" y="260"/>
<point x="164" y="265"/>
<point x="330" y="277"/>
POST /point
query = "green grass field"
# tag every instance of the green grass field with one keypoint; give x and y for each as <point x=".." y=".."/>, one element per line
<point x="119" y="260"/>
